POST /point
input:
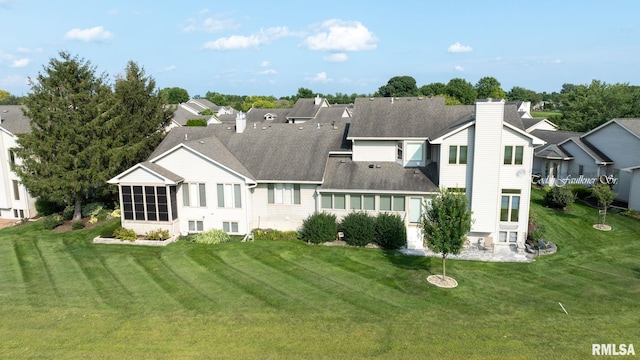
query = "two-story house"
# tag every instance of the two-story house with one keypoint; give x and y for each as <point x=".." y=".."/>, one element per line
<point x="390" y="156"/>
<point x="15" y="200"/>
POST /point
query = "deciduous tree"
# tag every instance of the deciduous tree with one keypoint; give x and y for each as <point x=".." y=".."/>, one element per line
<point x="489" y="88"/>
<point x="399" y="86"/>
<point x="445" y="223"/>
<point x="605" y="197"/>
<point x="175" y="95"/>
<point x="462" y="90"/>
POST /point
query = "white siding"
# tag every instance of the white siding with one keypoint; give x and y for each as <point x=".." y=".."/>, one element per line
<point x="457" y="175"/>
<point x="8" y="201"/>
<point x="580" y="157"/>
<point x="282" y="216"/>
<point x="141" y="176"/>
<point x="487" y="156"/>
<point x="365" y="150"/>
<point x="196" y="169"/>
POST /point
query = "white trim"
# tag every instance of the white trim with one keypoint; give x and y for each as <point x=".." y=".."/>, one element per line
<point x="167" y="181"/>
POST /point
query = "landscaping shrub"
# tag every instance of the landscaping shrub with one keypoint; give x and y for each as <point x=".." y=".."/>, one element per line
<point x="535" y="231"/>
<point x="319" y="227"/>
<point x="77" y="225"/>
<point x="45" y="207"/>
<point x="67" y="213"/>
<point x="125" y="234"/>
<point x="270" y="234"/>
<point x="559" y="197"/>
<point x="158" y="234"/>
<point x="213" y="236"/>
<point x="580" y="191"/>
<point x="359" y="228"/>
<point x="196" y="122"/>
<point x="390" y="231"/>
<point x="92" y="209"/>
<point x="52" y="221"/>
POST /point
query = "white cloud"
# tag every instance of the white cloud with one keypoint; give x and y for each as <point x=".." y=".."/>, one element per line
<point x="97" y="33"/>
<point x="320" y="77"/>
<point x="168" y="68"/>
<point x="24" y="50"/>
<point x="240" y="42"/>
<point x="339" y="35"/>
<point x="12" y="80"/>
<point x="337" y="57"/>
<point x="459" y="48"/>
<point x="265" y="63"/>
<point x="21" y="62"/>
<point x="268" y="72"/>
<point x="459" y="68"/>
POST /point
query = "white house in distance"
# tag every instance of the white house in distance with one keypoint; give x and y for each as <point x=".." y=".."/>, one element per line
<point x="390" y="156"/>
<point x="15" y="201"/>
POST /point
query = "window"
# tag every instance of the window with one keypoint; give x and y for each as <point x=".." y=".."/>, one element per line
<point x="392" y="202"/>
<point x="580" y="169"/>
<point x="458" y="154"/>
<point x="399" y="151"/>
<point x="148" y="203"/>
<point x="230" y="226"/>
<point x="283" y="193"/>
<point x="229" y="196"/>
<point x="510" y="205"/>
<point x="333" y="201"/>
<point x="194" y="194"/>
<point x="415" y="152"/>
<point x="513" y="155"/>
<point x="362" y="202"/>
<point x="16" y="190"/>
<point x="415" y="209"/>
<point x="196" y="226"/>
<point x="512" y="236"/>
<point x="12" y="158"/>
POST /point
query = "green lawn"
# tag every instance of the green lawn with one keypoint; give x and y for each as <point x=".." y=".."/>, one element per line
<point x="63" y="297"/>
<point x="546" y="114"/>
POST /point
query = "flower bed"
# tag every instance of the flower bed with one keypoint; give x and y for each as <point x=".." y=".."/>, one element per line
<point x="142" y="242"/>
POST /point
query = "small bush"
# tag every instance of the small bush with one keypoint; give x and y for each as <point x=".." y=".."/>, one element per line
<point x="51" y="222"/>
<point x="125" y="234"/>
<point x="92" y="209"/>
<point x="270" y="234"/>
<point x="390" y="231"/>
<point x="115" y="213"/>
<point x="196" y="122"/>
<point x="319" y="227"/>
<point x="158" y="234"/>
<point x="580" y="191"/>
<point x="359" y="228"/>
<point x="77" y="225"/>
<point x="559" y="197"/>
<point x="213" y="236"/>
<point x="67" y="213"/>
<point x="45" y="207"/>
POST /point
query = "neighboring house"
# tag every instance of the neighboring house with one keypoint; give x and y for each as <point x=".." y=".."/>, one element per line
<point x="608" y="153"/>
<point x="194" y="108"/>
<point x="391" y="156"/>
<point x="15" y="201"/>
<point x="531" y="124"/>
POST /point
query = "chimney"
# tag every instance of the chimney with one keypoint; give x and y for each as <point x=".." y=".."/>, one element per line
<point x="241" y="122"/>
<point x="317" y="100"/>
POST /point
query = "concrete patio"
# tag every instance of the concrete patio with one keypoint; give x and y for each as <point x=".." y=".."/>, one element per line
<point x="498" y="254"/>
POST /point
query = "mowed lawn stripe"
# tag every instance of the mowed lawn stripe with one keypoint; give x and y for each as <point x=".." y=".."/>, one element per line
<point x="36" y="275"/>
<point x="11" y="276"/>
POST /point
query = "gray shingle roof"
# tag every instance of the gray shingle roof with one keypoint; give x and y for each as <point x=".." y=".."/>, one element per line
<point x="344" y="174"/>
<point x="13" y="120"/>
<point x="162" y="171"/>
<point x="270" y="152"/>
<point x="554" y="137"/>
<point x="304" y="109"/>
<point x="417" y="117"/>
<point x="632" y="124"/>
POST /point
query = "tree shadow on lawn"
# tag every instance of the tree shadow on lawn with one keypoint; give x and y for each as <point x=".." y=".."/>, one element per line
<point x="409" y="262"/>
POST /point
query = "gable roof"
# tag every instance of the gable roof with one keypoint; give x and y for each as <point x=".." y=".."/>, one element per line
<point x="13" y="120"/>
<point x="270" y="152"/>
<point x="553" y="151"/>
<point x="345" y="174"/>
<point x="306" y="108"/>
<point x="554" y="136"/>
<point x="592" y="151"/>
<point x="167" y="176"/>
<point x="632" y="125"/>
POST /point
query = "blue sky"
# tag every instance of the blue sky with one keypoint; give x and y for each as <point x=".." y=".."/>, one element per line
<point x="273" y="48"/>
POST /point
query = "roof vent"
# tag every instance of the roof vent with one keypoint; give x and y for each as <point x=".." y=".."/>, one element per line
<point x="371" y="166"/>
<point x="201" y="142"/>
<point x="186" y="137"/>
<point x="343" y="161"/>
<point x="264" y="128"/>
<point x="318" y="127"/>
<point x="254" y="126"/>
<point x="378" y="166"/>
<point x="300" y="128"/>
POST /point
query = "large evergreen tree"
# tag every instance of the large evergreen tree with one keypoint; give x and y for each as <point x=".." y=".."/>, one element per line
<point x="136" y="119"/>
<point x="66" y="110"/>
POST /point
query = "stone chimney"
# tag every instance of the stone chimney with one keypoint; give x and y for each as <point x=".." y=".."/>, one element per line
<point x="241" y="122"/>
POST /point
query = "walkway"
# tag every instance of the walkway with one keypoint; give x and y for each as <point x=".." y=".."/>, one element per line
<point x="498" y="255"/>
